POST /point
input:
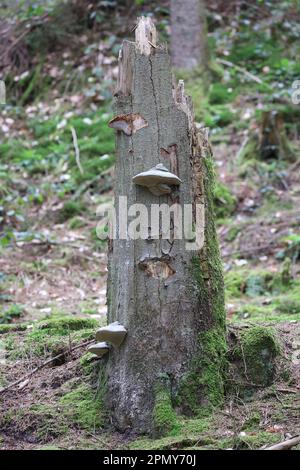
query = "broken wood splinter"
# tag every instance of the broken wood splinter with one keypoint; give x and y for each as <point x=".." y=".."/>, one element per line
<point x="128" y="123"/>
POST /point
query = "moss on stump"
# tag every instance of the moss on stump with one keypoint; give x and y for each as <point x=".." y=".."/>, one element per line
<point x="258" y="350"/>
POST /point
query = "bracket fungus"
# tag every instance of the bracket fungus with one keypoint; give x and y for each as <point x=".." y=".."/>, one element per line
<point x="114" y="333"/>
<point x="128" y="123"/>
<point x="99" y="349"/>
<point x="158" y="180"/>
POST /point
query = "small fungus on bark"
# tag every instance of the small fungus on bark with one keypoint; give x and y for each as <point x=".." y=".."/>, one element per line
<point x="128" y="123"/>
<point x="99" y="349"/>
<point x="158" y="180"/>
<point x="114" y="333"/>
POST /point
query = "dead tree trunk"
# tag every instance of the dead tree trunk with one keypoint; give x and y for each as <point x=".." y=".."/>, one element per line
<point x="167" y="293"/>
<point x="189" y="46"/>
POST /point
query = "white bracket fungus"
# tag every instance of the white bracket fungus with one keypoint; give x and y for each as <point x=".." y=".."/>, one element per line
<point x="158" y="180"/>
<point x="99" y="349"/>
<point x="114" y="333"/>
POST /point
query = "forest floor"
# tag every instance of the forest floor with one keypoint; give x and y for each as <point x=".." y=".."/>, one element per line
<point x="53" y="267"/>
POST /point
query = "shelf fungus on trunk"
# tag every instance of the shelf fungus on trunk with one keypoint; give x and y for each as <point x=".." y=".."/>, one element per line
<point x="128" y="123"/>
<point x="99" y="349"/>
<point x="114" y="333"/>
<point x="158" y="180"/>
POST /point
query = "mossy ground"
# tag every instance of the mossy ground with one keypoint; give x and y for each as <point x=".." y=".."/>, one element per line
<point x="263" y="296"/>
<point x="74" y="386"/>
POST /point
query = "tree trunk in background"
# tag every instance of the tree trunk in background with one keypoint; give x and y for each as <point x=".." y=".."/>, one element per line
<point x="189" y="45"/>
<point x="169" y="298"/>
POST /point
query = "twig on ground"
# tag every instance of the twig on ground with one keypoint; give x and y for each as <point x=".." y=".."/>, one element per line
<point x="77" y="152"/>
<point x="41" y="366"/>
<point x="244" y="71"/>
<point x="285" y="445"/>
<point x="288" y="390"/>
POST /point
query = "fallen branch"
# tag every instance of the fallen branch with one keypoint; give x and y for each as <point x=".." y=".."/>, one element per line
<point x="44" y="364"/>
<point x="77" y="153"/>
<point x="285" y="445"/>
<point x="244" y="71"/>
<point x="288" y="390"/>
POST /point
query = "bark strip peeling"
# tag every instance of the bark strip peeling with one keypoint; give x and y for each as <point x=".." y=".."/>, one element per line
<point x="128" y="123"/>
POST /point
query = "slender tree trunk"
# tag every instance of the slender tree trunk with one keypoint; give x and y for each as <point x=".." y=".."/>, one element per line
<point x="189" y="45"/>
<point x="169" y="297"/>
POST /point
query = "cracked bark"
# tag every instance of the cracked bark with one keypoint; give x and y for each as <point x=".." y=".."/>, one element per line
<point x="152" y="294"/>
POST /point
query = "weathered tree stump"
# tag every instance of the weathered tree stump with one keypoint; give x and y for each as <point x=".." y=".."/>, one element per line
<point x="269" y="141"/>
<point x="167" y="293"/>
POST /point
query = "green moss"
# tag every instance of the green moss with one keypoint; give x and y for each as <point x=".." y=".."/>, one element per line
<point x="256" y="441"/>
<point x="44" y="421"/>
<point x="164" y="417"/>
<point x="258" y="350"/>
<point x="83" y="406"/>
<point x="235" y="284"/>
<point x="208" y="269"/>
<point x="187" y="432"/>
<point x="202" y="388"/>
<point x="248" y="153"/>
<point x="52" y="336"/>
<point x="292" y="249"/>
<point x="232" y="233"/>
<point x="263" y="296"/>
<point x="13" y="312"/>
<point x="254" y="283"/>
<point x="220" y="93"/>
<point x="224" y="201"/>
<point x="71" y="209"/>
<point x="252" y="421"/>
<point x="80" y="408"/>
<point x="64" y="324"/>
<point x="13" y="327"/>
<point x="76" y="222"/>
<point x="286" y="272"/>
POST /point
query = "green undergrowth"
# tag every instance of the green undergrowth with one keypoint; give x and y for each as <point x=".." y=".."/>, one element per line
<point x="12" y="313"/>
<point x="76" y="403"/>
<point x="76" y="407"/>
<point x="255" y="355"/>
<point x="260" y="295"/>
<point x="186" y="430"/>
<point x="51" y="147"/>
<point x="197" y="434"/>
<point x="7" y="328"/>
<point x="224" y="201"/>
<point x="52" y="336"/>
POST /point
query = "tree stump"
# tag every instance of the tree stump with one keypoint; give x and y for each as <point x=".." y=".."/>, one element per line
<point x="168" y="293"/>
